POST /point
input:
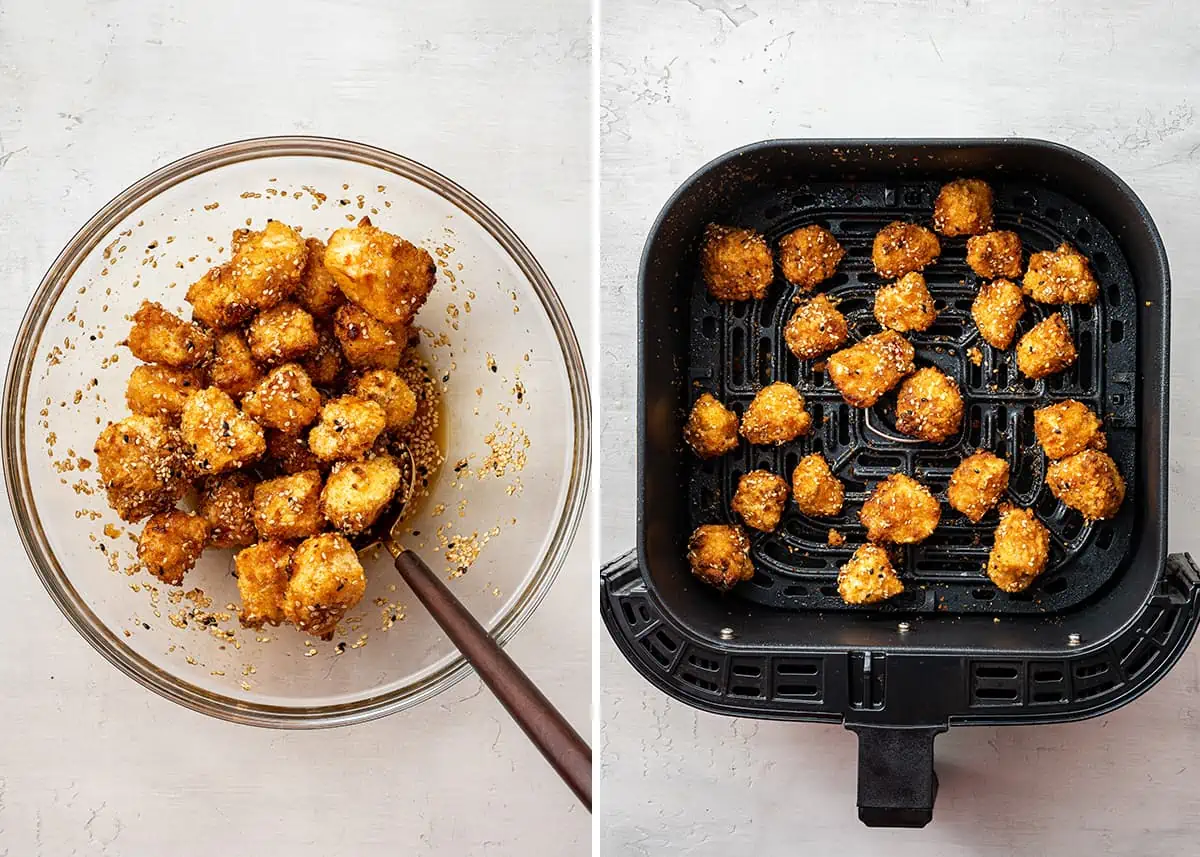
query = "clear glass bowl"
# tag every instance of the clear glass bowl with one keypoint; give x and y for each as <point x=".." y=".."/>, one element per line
<point x="496" y="338"/>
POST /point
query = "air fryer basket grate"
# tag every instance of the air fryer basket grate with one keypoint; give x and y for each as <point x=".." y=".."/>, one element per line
<point x="737" y="348"/>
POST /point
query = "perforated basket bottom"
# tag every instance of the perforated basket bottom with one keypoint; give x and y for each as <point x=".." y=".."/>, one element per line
<point x="737" y="348"/>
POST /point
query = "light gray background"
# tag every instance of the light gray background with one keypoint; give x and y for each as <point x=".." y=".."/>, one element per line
<point x="93" y="95"/>
<point x="686" y="80"/>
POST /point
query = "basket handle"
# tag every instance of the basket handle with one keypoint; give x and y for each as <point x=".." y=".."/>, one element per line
<point x="896" y="782"/>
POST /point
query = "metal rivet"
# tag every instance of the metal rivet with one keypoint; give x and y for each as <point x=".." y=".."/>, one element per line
<point x="1074" y="639"/>
<point x="903" y="627"/>
<point x="726" y="633"/>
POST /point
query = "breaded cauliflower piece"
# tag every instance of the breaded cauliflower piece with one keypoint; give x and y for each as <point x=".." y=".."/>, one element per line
<point x="318" y="291"/>
<point x="901" y="248"/>
<point x="367" y="342"/>
<point x="381" y="272"/>
<point x="347" y="429"/>
<point x="171" y="543"/>
<point x="285" y="400"/>
<point x="929" y="405"/>
<point x="388" y="390"/>
<point x="1088" y="481"/>
<point x="143" y="466"/>
<point x="868" y="369"/>
<point x="776" y="415"/>
<point x="1061" y="276"/>
<point x="327" y="580"/>
<point x="160" y="391"/>
<point x="719" y="555"/>
<point x="905" y="305"/>
<point x="997" y="309"/>
<point x="815" y="328"/>
<point x="290" y="453"/>
<point x="281" y="333"/>
<point x="356" y="492"/>
<point x="736" y="263"/>
<point x="1046" y="349"/>
<point x="809" y="256"/>
<point x="868" y="578"/>
<point x="221" y="437"/>
<point x="262" y="572"/>
<point x="995" y="254"/>
<point x="712" y="429"/>
<point x="900" y="510"/>
<point x="1068" y="427"/>
<point x="818" y="492"/>
<point x="1020" y="550"/>
<point x="289" y="507"/>
<point x="158" y="336"/>
<point x="265" y="269"/>
<point x="227" y="503"/>
<point x="233" y="369"/>
<point x="325" y="364"/>
<point x="977" y="484"/>
<point x="759" y="499"/>
<point x="963" y="207"/>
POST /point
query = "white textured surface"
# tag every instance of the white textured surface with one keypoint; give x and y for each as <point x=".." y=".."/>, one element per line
<point x="93" y="96"/>
<point x="684" y="81"/>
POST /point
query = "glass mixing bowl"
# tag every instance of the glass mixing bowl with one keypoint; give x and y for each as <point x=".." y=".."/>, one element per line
<point x="515" y="408"/>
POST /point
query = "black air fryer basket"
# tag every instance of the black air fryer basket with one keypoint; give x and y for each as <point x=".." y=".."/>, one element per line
<point x="1112" y="613"/>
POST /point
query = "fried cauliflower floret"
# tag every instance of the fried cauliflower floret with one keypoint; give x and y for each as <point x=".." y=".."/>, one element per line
<point x="776" y="415"/>
<point x="327" y="580"/>
<point x="388" y="390"/>
<point x="900" y="510"/>
<point x="1020" y="550"/>
<point x="262" y="572"/>
<point x="347" y="428"/>
<point x="382" y="273"/>
<point x="868" y="578"/>
<point x="712" y="429"/>
<point x="929" y="405"/>
<point x="367" y="342"/>
<point x="963" y="207"/>
<point x="997" y="309"/>
<point x="1067" y="428"/>
<point x="290" y="453"/>
<point x="977" y="484"/>
<point x="995" y="254"/>
<point x="285" y="400"/>
<point x="283" y="332"/>
<point x="318" y="291"/>
<point x="868" y="369"/>
<point x="233" y="368"/>
<point x="815" y="328"/>
<point x="905" y="305"/>
<point x="1089" y="482"/>
<point x="357" y="491"/>
<point x="160" y="391"/>
<point x="720" y="555"/>
<point x="901" y="248"/>
<point x="818" y="492"/>
<point x="264" y="270"/>
<point x="143" y="466"/>
<point x="736" y="263"/>
<point x="1060" y="276"/>
<point x="759" y="499"/>
<point x="325" y="364"/>
<point x="809" y="256"/>
<point x="1046" y="349"/>
<point x="158" y="336"/>
<point x="221" y="437"/>
<point x="289" y="507"/>
<point x="171" y="543"/>
<point x="227" y="503"/>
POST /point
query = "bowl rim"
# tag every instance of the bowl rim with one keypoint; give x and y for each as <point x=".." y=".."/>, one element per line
<point x="16" y="471"/>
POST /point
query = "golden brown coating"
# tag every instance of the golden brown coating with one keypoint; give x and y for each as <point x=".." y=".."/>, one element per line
<point x="289" y="507"/>
<point x="963" y="207"/>
<point x="868" y="369"/>
<point x="1089" y="482"/>
<point x="381" y="272"/>
<point x="901" y="248"/>
<point x="736" y="263"/>
<point x="233" y="368"/>
<point x="1068" y="427"/>
<point x="290" y="453"/>
<point x="318" y="292"/>
<point x="325" y="364"/>
<point x="719" y="555"/>
<point x="809" y="256"/>
<point x="143" y="466"/>
<point x="997" y="309"/>
<point x="171" y="543"/>
<point x="1060" y="276"/>
<point x="815" y="328"/>
<point x="347" y="429"/>
<point x="868" y="578"/>
<point x="1046" y="349"/>
<point x="160" y="391"/>
<point x="285" y="400"/>
<point x="712" y="429"/>
<point x="283" y="332"/>
<point x="227" y="503"/>
<point x="929" y="405"/>
<point x="817" y="491"/>
<point x="262" y="574"/>
<point x="900" y="510"/>
<point x="367" y="342"/>
<point x="759" y="499"/>
<point x="388" y="390"/>
<point x="1019" y="551"/>
<point x="158" y="336"/>
<point x="221" y="437"/>
<point x="834" y="539"/>
<point x="264" y="270"/>
<point x="357" y="491"/>
<point x="977" y="484"/>
<point x="995" y="254"/>
<point x="905" y="305"/>
<point x="776" y="415"/>
<point x="327" y="580"/>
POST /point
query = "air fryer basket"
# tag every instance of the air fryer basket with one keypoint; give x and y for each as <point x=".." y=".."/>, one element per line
<point x="1111" y="614"/>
